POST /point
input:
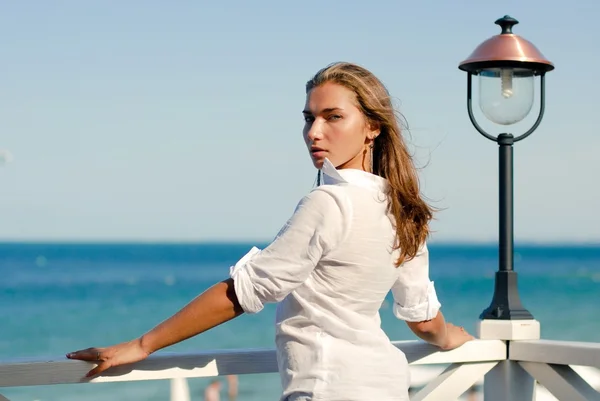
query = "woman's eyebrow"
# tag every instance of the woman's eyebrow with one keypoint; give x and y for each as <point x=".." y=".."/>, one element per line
<point x="326" y="110"/>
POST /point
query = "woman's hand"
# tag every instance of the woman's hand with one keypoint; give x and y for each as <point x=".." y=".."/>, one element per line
<point x="455" y="337"/>
<point x="120" y="354"/>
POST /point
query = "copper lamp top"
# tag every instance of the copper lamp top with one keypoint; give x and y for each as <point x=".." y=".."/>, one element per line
<point x="506" y="50"/>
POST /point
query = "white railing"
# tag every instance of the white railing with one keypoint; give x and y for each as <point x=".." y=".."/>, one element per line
<point x="548" y="362"/>
<point x="558" y="366"/>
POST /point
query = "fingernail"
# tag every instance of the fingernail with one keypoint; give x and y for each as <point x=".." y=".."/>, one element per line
<point x="69" y="355"/>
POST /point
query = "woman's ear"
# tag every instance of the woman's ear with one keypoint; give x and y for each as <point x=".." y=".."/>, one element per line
<point x="374" y="130"/>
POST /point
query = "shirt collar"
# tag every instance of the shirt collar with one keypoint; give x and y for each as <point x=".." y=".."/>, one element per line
<point x="332" y="176"/>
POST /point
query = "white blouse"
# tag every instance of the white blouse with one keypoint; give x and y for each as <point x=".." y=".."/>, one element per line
<point x="330" y="268"/>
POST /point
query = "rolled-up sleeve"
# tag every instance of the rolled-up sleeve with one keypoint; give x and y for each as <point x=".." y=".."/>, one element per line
<point x="318" y="225"/>
<point x="415" y="299"/>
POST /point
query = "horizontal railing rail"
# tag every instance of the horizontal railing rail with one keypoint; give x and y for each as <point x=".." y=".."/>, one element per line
<point x="164" y="365"/>
<point x="560" y="366"/>
<point x="567" y="370"/>
<point x="556" y="352"/>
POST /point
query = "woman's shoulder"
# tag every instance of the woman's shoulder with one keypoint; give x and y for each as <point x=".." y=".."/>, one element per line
<point x="333" y="197"/>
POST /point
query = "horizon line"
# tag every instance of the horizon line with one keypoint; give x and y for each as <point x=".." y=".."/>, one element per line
<point x="484" y="243"/>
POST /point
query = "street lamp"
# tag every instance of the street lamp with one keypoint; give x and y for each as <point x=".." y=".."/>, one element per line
<point x="506" y="65"/>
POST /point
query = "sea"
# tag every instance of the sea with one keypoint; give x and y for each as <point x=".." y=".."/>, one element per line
<point x="61" y="297"/>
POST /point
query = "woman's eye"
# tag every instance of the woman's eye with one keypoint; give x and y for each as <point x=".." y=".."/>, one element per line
<point x="308" y="119"/>
<point x="334" y="117"/>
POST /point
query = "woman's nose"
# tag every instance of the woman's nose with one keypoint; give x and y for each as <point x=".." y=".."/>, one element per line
<point x="315" y="132"/>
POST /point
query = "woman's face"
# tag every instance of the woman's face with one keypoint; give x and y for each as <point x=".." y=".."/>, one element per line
<point x="336" y="129"/>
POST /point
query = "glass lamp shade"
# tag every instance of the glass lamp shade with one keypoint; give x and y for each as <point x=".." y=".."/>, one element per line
<point x="506" y="94"/>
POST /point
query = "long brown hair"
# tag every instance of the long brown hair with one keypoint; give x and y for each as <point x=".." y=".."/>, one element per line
<point x="391" y="158"/>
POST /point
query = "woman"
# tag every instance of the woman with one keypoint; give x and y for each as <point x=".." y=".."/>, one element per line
<point x="349" y="242"/>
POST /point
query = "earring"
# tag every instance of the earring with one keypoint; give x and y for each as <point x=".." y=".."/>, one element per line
<point x="318" y="177"/>
<point x="371" y="145"/>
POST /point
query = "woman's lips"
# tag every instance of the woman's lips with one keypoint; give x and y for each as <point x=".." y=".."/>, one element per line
<point x="317" y="153"/>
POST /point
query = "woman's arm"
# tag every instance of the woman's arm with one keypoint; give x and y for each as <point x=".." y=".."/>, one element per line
<point x="433" y="331"/>
<point x="416" y="302"/>
<point x="439" y="333"/>
<point x="213" y="307"/>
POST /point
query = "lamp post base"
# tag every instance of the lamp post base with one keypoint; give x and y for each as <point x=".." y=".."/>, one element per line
<point x="492" y="329"/>
<point x="506" y="303"/>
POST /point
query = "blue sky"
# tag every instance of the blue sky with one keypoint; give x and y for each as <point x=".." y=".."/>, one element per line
<point x="181" y="121"/>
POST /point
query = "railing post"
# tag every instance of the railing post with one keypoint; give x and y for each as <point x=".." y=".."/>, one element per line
<point x="180" y="390"/>
<point x="508" y="381"/>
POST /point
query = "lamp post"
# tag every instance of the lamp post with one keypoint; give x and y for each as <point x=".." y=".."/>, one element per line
<point x="506" y="65"/>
